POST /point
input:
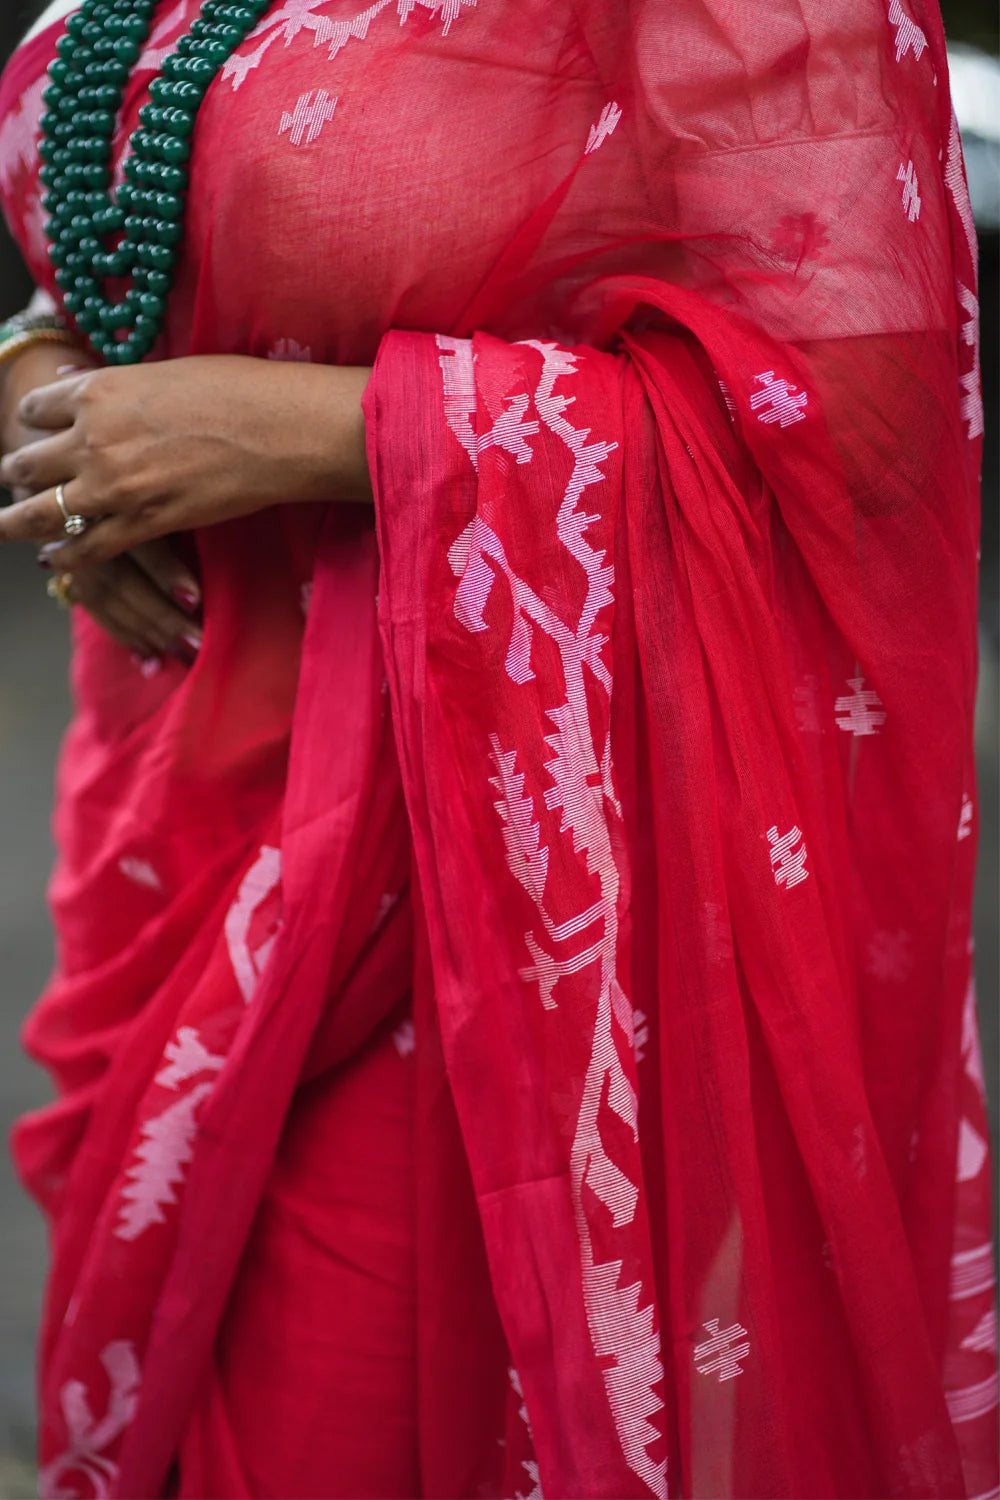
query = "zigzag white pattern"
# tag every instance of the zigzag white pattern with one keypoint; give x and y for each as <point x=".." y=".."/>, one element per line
<point x="623" y="1333"/>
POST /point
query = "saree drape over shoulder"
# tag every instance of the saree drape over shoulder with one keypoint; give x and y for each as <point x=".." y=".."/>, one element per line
<point x="634" y="742"/>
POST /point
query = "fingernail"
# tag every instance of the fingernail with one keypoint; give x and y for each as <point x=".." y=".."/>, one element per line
<point x="192" y="639"/>
<point x="49" y="553"/>
<point x="69" y="369"/>
<point x="187" y="598"/>
<point x="43" y="562"/>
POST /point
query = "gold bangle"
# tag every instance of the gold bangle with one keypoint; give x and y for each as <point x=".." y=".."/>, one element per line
<point x="22" y="341"/>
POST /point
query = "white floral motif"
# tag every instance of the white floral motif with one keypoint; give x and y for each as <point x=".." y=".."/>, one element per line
<point x="304" y="124"/>
<point x="607" y="124"/>
<point x="167" y="1140"/>
<point x="510" y="431"/>
<point x="640" y="1029"/>
<point x="859" y="712"/>
<point x="909" y="37"/>
<point x="970" y="382"/>
<point x="140" y="872"/>
<point x="965" y="817"/>
<point x="288" y="19"/>
<point x="778" y="401"/>
<point x="623" y="1332"/>
<point x="529" y="1465"/>
<point x="907" y="175"/>
<point x="186" y="1057"/>
<point x="788" y="857"/>
<point x="721" y="1352"/>
<point x="19" y="133"/>
<point x="88" y="1436"/>
<point x="248" y="960"/>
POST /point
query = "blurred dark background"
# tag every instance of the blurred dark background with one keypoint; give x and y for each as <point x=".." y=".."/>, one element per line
<point x="34" y="708"/>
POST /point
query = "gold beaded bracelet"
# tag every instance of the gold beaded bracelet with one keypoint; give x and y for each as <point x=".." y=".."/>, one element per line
<point x="25" y="329"/>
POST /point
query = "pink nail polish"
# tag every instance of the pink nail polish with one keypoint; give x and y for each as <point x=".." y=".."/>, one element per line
<point x="186" y="598"/>
<point x="70" y="369"/>
<point x="192" y="640"/>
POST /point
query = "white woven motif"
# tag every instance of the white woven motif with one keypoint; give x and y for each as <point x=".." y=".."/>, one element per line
<point x="89" y="1436"/>
<point x="909" y="37"/>
<point x="304" y="124"/>
<point x="860" y="711"/>
<point x="607" y="124"/>
<point x="529" y="1465"/>
<point x="788" y="857"/>
<point x="907" y="175"/>
<point x="721" y="1352"/>
<point x="286" y="21"/>
<point x="623" y="1331"/>
<point x="778" y="401"/>
<point x="166" y="1141"/>
<point x="248" y="955"/>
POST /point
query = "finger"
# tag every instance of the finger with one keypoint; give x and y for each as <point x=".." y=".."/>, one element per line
<point x="39" y="519"/>
<point x="166" y="627"/>
<point x="159" y="560"/>
<point x="105" y="538"/>
<point x="53" y="406"/>
<point x="91" y="592"/>
<point x="39" y="466"/>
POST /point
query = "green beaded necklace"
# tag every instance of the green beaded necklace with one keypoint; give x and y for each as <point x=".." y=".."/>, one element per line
<point x="94" y="237"/>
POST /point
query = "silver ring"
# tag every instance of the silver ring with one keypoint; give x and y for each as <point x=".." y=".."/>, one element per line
<point x="72" y="525"/>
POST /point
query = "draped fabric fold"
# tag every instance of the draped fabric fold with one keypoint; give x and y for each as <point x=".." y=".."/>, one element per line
<point x="620" y="777"/>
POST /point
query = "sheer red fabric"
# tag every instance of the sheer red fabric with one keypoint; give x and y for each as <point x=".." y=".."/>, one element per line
<point x="668" y="695"/>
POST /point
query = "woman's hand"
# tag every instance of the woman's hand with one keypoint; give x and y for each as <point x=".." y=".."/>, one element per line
<point x="152" y="449"/>
<point x="148" y="600"/>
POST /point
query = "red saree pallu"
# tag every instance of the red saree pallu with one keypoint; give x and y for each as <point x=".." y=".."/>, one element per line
<point x="514" y="1001"/>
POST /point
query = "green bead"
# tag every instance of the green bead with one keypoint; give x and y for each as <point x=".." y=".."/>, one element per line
<point x="168" y="205"/>
<point x="172" y="178"/>
<point x="109" y="220"/>
<point x="47" y="150"/>
<point x="58" y="70"/>
<point x="157" y="257"/>
<point x="137" y="27"/>
<point x="169" y="234"/>
<point x="53" y="96"/>
<point x="102" y="122"/>
<point x="75" y="23"/>
<point x="152" y="305"/>
<point x="134" y="228"/>
<point x="200" y="70"/>
<point x="147" y="327"/>
<point x="127" y="50"/>
<point x="212" y="52"/>
<point x="116" y="315"/>
<point x="174" y="148"/>
<point x="73" y="302"/>
<point x="178" y="122"/>
<point x="159" y="282"/>
<point x="48" y="175"/>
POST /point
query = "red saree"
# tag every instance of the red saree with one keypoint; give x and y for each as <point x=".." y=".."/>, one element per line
<point x="635" y="744"/>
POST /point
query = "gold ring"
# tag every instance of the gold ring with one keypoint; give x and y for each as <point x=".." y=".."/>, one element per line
<point x="58" y="588"/>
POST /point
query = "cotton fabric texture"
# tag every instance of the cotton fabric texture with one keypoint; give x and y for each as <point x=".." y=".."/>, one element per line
<point x="605" y="813"/>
